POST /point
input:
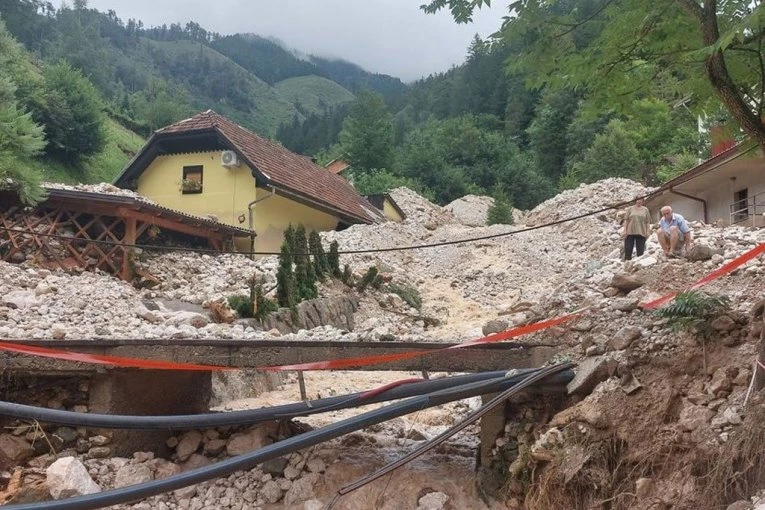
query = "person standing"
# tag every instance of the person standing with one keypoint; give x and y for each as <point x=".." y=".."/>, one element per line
<point x="637" y="225"/>
<point x="673" y="229"/>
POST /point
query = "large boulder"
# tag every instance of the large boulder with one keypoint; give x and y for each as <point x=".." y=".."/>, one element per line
<point x="68" y="477"/>
<point x="626" y="283"/>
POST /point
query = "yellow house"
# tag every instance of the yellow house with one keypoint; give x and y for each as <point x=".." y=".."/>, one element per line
<point x="385" y="203"/>
<point x="209" y="166"/>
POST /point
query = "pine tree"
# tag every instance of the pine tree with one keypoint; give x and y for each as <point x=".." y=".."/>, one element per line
<point x="20" y="138"/>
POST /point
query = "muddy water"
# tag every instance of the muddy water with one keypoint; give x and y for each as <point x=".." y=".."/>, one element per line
<point x="448" y="468"/>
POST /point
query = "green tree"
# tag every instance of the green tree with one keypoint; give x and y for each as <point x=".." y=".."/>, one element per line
<point x="20" y="140"/>
<point x="382" y="181"/>
<point x="367" y="135"/>
<point x="73" y="114"/>
<point x="612" y="154"/>
<point x="686" y="50"/>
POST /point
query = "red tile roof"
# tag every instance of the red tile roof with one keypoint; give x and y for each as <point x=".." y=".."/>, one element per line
<point x="282" y="168"/>
<point x="337" y="165"/>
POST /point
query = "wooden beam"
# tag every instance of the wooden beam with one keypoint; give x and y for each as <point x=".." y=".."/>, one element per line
<point x="168" y="224"/>
<point x="127" y="253"/>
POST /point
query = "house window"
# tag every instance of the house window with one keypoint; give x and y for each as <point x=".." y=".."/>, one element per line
<point x="741" y="205"/>
<point x="192" y="179"/>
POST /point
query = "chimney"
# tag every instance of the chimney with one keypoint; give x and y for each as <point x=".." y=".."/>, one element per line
<point x="722" y="136"/>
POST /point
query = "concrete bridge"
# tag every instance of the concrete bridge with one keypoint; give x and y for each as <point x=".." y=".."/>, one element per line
<point x="263" y="353"/>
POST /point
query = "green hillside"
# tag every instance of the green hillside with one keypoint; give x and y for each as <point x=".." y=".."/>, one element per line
<point x="216" y="82"/>
<point x="313" y="94"/>
<point x="121" y="145"/>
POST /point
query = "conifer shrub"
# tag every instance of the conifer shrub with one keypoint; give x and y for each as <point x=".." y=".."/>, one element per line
<point x="334" y="261"/>
<point x="409" y="294"/>
<point x="286" y="287"/>
<point x="320" y="261"/>
<point x="500" y="212"/>
<point x="289" y="238"/>
<point x="241" y="304"/>
<point x="304" y="272"/>
<point x="371" y="278"/>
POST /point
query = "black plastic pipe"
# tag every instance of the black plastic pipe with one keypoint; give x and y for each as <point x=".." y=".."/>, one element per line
<point x="249" y="460"/>
<point x="250" y="416"/>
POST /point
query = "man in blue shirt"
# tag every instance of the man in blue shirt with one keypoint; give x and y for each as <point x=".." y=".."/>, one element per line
<point x="673" y="229"/>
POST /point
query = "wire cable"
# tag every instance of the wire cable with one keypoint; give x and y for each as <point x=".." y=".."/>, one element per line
<point x="249" y="460"/>
<point x="429" y="445"/>
<point x="249" y="416"/>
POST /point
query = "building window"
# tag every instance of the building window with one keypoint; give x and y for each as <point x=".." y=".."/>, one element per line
<point x="192" y="179"/>
<point x="741" y="205"/>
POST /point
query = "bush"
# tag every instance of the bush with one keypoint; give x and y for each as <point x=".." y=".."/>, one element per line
<point x="694" y="311"/>
<point x="371" y="278"/>
<point x="500" y="213"/>
<point x="264" y="306"/>
<point x="242" y="305"/>
<point x="409" y="294"/>
<point x="347" y="276"/>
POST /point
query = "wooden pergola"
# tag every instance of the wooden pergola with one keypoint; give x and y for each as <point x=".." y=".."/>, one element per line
<point x="96" y="230"/>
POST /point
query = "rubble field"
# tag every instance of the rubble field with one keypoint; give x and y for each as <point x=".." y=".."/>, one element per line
<point x="657" y="417"/>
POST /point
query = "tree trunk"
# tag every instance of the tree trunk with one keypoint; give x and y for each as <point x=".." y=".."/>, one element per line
<point x="717" y="71"/>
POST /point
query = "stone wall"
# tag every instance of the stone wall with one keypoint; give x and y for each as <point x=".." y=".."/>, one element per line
<point x="335" y="311"/>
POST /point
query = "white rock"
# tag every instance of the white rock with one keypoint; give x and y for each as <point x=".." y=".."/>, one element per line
<point x="68" y="477"/>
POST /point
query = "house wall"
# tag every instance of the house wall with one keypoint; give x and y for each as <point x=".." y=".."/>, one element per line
<point x="691" y="210"/>
<point x="390" y="212"/>
<point x="226" y="194"/>
<point x="721" y="196"/>
<point x="274" y="214"/>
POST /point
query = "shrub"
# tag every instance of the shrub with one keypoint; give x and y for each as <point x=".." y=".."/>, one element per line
<point x="694" y="311"/>
<point x="320" y="261"/>
<point x="286" y="289"/>
<point x="304" y="272"/>
<point x="409" y="294"/>
<point x="334" y="260"/>
<point x="347" y="276"/>
<point x="500" y="212"/>
<point x="241" y="304"/>
<point x="371" y="278"/>
<point x="264" y="306"/>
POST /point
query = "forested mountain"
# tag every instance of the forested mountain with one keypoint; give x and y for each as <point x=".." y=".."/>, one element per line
<point x="480" y="127"/>
<point x="150" y="77"/>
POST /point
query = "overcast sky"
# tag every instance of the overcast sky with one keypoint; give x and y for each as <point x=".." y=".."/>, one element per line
<point x="386" y="36"/>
